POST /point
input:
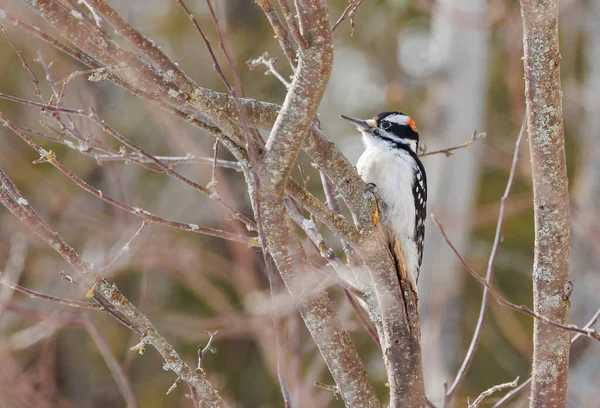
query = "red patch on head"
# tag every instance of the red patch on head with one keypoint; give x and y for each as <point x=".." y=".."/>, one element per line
<point x="412" y="124"/>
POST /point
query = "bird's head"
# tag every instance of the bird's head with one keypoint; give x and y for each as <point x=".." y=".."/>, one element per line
<point x="394" y="128"/>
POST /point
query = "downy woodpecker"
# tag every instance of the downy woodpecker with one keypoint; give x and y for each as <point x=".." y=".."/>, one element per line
<point x="390" y="162"/>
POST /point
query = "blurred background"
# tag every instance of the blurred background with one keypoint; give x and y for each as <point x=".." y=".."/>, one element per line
<point x="453" y="65"/>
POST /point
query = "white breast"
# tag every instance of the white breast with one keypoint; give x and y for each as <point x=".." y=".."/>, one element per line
<point x="392" y="170"/>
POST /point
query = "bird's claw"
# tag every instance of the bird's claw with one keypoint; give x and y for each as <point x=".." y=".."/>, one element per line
<point x="371" y="188"/>
<point x="380" y="211"/>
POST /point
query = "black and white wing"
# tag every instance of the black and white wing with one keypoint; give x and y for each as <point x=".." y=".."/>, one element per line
<point x="420" y="195"/>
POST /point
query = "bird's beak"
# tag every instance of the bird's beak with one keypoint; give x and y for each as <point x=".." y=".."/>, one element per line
<point x="361" y="124"/>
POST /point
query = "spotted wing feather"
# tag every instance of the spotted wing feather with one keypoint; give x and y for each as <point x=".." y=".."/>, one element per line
<point x="420" y="195"/>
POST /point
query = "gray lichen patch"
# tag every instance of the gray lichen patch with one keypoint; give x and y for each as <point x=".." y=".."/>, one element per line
<point x="547" y="371"/>
<point x="543" y="274"/>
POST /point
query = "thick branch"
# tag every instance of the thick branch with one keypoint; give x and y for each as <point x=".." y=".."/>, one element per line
<point x="282" y="148"/>
<point x="550" y="199"/>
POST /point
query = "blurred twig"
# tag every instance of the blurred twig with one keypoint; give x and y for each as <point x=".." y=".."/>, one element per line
<point x="126" y="247"/>
<point x="490" y="391"/>
<point x="526" y="383"/>
<point x="50" y="157"/>
<point x="588" y="332"/>
<point x="350" y="10"/>
<point x="13" y="268"/>
<point x="490" y="270"/>
<point x="270" y="64"/>
<point x="61" y="301"/>
<point x="448" y="151"/>
<point x="12" y="199"/>
<point x="117" y="372"/>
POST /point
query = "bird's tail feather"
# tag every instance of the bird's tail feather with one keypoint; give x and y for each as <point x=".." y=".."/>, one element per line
<point x="403" y="275"/>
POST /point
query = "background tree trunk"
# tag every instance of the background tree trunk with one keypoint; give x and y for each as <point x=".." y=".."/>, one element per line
<point x="584" y="375"/>
<point x="458" y="96"/>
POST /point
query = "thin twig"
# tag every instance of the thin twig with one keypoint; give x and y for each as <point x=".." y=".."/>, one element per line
<point x="270" y="64"/>
<point x="490" y="391"/>
<point x="126" y="247"/>
<point x="121" y="379"/>
<point x="588" y="332"/>
<point x="203" y="350"/>
<point x="448" y="151"/>
<point x="74" y="75"/>
<point x="212" y="185"/>
<point x="44" y="107"/>
<point x="50" y="157"/>
<point x="70" y="130"/>
<point x="104" y="154"/>
<point x="213" y="57"/>
<point x="36" y="84"/>
<point x="490" y="269"/>
<point x="95" y="16"/>
<point x="166" y="169"/>
<point x="350" y="10"/>
<point x="524" y="385"/>
<point x="15" y="264"/>
<point x="331" y="388"/>
<point x="61" y="301"/>
<point x="309" y="227"/>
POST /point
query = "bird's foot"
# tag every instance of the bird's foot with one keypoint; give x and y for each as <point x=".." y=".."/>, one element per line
<point x="371" y="188"/>
<point x="380" y="211"/>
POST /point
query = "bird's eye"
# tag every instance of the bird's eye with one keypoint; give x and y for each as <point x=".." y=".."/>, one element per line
<point x="386" y="125"/>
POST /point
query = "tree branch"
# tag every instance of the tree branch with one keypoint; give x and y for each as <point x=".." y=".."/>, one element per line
<point x="281" y="150"/>
<point x="550" y="201"/>
<point x="91" y="279"/>
<point x="490" y="271"/>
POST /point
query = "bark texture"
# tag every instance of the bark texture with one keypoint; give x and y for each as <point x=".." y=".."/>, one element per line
<point x="551" y="201"/>
<point x="155" y="78"/>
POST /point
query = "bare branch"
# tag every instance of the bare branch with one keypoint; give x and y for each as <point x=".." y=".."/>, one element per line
<point x="524" y="385"/>
<point x="50" y="157"/>
<point x="15" y="264"/>
<point x="280" y="31"/>
<point x="350" y="10"/>
<point x="293" y="26"/>
<point x="490" y="270"/>
<point x="147" y="46"/>
<point x="118" y="374"/>
<point x="216" y="64"/>
<point x="282" y="148"/>
<point x="34" y="80"/>
<point x="448" y="151"/>
<point x="336" y="222"/>
<point x="61" y="301"/>
<point x="591" y="333"/>
<point x="91" y="279"/>
<point x="127" y="246"/>
<point x="166" y="169"/>
<point x="490" y="391"/>
<point x="270" y="64"/>
<point x="203" y="350"/>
